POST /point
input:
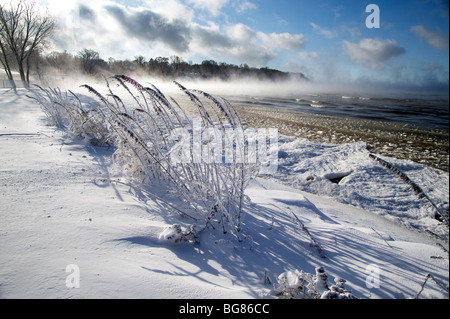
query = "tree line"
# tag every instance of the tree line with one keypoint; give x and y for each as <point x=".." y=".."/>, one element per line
<point x="88" y="62"/>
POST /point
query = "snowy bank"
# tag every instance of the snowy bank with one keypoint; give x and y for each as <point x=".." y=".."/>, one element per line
<point x="61" y="217"/>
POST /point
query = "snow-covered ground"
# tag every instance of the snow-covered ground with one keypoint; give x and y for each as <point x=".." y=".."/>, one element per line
<point x="61" y="222"/>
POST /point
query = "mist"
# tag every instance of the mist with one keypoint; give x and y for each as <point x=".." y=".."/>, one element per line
<point x="68" y="72"/>
<point x="293" y="88"/>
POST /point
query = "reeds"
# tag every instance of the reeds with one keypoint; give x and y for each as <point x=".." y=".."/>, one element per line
<point x="65" y="110"/>
<point x="202" y="160"/>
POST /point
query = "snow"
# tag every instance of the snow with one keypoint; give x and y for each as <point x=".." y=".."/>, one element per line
<point x="58" y="209"/>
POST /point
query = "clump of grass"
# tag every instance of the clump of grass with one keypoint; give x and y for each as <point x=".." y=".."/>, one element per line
<point x="201" y="160"/>
<point x="213" y="190"/>
<point x="300" y="285"/>
<point x="65" y="110"/>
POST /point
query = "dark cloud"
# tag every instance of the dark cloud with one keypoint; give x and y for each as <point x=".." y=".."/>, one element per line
<point x="238" y="41"/>
<point x="211" y="38"/>
<point x="150" y="26"/>
<point x="86" y="13"/>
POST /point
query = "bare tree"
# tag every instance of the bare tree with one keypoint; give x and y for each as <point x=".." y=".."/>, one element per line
<point x="5" y="54"/>
<point x="23" y="32"/>
<point x="139" y="60"/>
<point x="89" y="59"/>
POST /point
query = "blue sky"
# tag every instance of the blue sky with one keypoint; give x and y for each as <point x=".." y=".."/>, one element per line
<point x="326" y="40"/>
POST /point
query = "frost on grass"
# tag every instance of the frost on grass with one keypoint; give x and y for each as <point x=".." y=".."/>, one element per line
<point x="147" y="129"/>
<point x="66" y="111"/>
<point x="177" y="234"/>
<point x="297" y="284"/>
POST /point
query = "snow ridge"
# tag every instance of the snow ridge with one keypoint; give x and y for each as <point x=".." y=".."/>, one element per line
<point x="417" y="190"/>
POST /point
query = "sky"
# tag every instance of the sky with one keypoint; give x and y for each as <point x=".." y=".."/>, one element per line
<point x="327" y="40"/>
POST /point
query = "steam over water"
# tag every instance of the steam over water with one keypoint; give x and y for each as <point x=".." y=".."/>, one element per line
<point x="431" y="111"/>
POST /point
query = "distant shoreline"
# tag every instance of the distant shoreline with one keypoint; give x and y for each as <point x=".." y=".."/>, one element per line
<point x="403" y="141"/>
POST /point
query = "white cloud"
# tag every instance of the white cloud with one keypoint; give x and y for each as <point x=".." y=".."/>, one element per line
<point x="311" y="56"/>
<point x="244" y="44"/>
<point x="373" y="51"/>
<point x="241" y="33"/>
<point x="325" y="32"/>
<point x="244" y="6"/>
<point x="436" y="39"/>
<point x="171" y="9"/>
<point x="212" y="6"/>
<point x="283" y="41"/>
